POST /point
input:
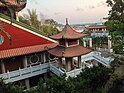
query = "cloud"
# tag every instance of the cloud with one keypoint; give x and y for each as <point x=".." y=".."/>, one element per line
<point x="102" y="3"/>
<point x="46" y="9"/>
<point x="91" y="7"/>
<point x="79" y="9"/>
<point x="57" y="13"/>
<point x="34" y="2"/>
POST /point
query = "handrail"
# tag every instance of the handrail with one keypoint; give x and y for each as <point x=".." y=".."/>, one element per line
<point x="26" y="72"/>
<point x="56" y="70"/>
<point x="74" y="72"/>
<point x="101" y="59"/>
<point x="94" y="55"/>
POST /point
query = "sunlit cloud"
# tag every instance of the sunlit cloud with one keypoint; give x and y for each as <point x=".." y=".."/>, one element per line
<point x="57" y="13"/>
<point x="102" y="3"/>
<point x="91" y="7"/>
<point x="79" y="9"/>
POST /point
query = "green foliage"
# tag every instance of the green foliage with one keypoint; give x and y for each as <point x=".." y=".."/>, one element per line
<point x="10" y="88"/>
<point x="81" y="41"/>
<point x="90" y="80"/>
<point x="117" y="9"/>
<point x="117" y="86"/>
<point x="115" y="24"/>
<point x="100" y="42"/>
<point x="46" y="27"/>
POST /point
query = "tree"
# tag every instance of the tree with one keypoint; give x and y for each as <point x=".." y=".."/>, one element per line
<point x="10" y="88"/>
<point x="46" y="27"/>
<point x="117" y="10"/>
<point x="115" y="24"/>
<point x="118" y="86"/>
<point x="90" y="80"/>
<point x="33" y="19"/>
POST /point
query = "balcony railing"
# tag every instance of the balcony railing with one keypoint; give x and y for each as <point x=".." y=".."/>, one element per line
<point x="26" y="72"/>
<point x="52" y="66"/>
<point x="74" y="72"/>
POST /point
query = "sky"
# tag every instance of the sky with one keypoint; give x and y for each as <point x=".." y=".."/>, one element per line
<point x="77" y="11"/>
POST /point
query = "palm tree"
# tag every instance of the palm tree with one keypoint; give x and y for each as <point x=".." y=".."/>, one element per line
<point x="33" y="19"/>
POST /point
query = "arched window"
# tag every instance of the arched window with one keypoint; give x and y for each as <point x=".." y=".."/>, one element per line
<point x="1" y="39"/>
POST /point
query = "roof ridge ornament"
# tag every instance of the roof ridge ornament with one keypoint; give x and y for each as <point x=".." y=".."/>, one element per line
<point x="66" y="20"/>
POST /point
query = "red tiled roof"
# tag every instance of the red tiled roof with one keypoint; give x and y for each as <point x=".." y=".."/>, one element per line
<point x="24" y="41"/>
<point x="74" y="51"/>
<point x="21" y="38"/>
<point x="68" y="33"/>
<point x="14" y="3"/>
<point x="24" y="50"/>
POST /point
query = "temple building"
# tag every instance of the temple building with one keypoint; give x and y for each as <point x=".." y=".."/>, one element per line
<point x="23" y="58"/>
<point x="25" y="53"/>
<point x="69" y="48"/>
<point x="72" y="57"/>
<point x="101" y="31"/>
<point x="98" y="30"/>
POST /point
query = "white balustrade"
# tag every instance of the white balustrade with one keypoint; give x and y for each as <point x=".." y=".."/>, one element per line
<point x="74" y="72"/>
<point x="31" y="71"/>
<point x="96" y="56"/>
<point x="56" y="70"/>
<point x="24" y="73"/>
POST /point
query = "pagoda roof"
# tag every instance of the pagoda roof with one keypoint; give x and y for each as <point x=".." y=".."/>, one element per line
<point x="68" y="33"/>
<point x="19" y="5"/>
<point x="74" y="51"/>
<point x="24" y="40"/>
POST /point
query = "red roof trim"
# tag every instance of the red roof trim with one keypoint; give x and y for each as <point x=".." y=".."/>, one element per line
<point x="74" y="51"/>
<point x="68" y="33"/>
<point x="25" y="50"/>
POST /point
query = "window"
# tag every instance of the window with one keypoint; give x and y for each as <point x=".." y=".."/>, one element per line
<point x="72" y="42"/>
<point x="1" y="39"/>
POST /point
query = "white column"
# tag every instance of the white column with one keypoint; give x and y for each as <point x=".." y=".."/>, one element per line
<point x="27" y="83"/>
<point x="44" y="57"/>
<point x="68" y="64"/>
<point x="3" y="67"/>
<point x="109" y="44"/>
<point x="45" y="76"/>
<point x="60" y="63"/>
<point x="25" y="64"/>
<point x="66" y="44"/>
<point x="17" y="16"/>
<point x="84" y="43"/>
<point x="79" y="61"/>
<point x="91" y="42"/>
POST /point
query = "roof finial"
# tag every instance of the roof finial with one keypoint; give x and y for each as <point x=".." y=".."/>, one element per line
<point x="66" y="20"/>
